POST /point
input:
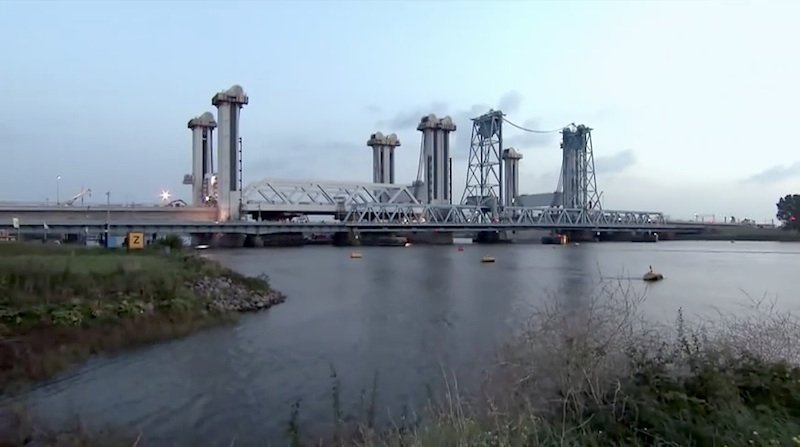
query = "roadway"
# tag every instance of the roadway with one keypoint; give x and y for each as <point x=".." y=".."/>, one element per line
<point x="55" y="215"/>
<point x="262" y="228"/>
<point x="41" y="219"/>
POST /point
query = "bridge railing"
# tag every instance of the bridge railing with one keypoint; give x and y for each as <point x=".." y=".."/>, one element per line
<point x="272" y="194"/>
<point x="514" y="216"/>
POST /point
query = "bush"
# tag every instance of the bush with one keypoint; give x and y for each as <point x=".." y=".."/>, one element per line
<point x="600" y="374"/>
<point x="171" y="241"/>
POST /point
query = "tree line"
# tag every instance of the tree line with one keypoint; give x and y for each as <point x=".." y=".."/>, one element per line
<point x="789" y="211"/>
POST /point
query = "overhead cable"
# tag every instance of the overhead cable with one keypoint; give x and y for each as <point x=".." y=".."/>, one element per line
<point x="531" y="130"/>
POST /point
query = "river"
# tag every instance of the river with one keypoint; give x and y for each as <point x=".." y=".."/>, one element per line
<point x="405" y="313"/>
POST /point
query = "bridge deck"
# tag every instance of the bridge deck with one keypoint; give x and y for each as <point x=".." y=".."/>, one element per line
<point x="379" y="217"/>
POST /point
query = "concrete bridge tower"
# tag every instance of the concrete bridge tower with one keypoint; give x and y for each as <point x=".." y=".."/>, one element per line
<point x="511" y="160"/>
<point x="427" y="125"/>
<point x="229" y="161"/>
<point x="383" y="156"/>
<point x="202" y="159"/>
<point x="435" y="158"/>
<point x="578" y="181"/>
<point x="444" y="127"/>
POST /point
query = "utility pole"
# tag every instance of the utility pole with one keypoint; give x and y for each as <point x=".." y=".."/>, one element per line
<point x="240" y="177"/>
<point x="108" y="217"/>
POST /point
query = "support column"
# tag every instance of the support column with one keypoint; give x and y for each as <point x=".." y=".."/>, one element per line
<point x="383" y="156"/>
<point x="427" y="126"/>
<point x="389" y="146"/>
<point x="202" y="133"/>
<point x="445" y="127"/>
<point x="511" y="160"/>
<point x="229" y="104"/>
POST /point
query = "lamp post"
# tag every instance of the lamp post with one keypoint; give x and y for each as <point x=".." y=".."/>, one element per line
<point x="58" y="190"/>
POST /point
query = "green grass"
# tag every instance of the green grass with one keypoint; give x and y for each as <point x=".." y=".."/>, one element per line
<point x="85" y="263"/>
<point x="59" y="305"/>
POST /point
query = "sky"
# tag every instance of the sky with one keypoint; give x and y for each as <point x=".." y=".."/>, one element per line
<point x="692" y="103"/>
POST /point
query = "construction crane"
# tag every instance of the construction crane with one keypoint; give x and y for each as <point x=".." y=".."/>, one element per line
<point x="80" y="195"/>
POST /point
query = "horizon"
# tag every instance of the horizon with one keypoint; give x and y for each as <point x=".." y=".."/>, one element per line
<point x="686" y="100"/>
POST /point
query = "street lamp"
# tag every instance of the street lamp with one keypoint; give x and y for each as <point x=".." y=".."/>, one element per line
<point x="58" y="190"/>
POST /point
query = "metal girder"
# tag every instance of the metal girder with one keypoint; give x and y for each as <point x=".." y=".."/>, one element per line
<point x="420" y="219"/>
<point x="485" y="168"/>
<point x="322" y="197"/>
<point x="417" y="215"/>
<point x="577" y="181"/>
<point x="510" y="216"/>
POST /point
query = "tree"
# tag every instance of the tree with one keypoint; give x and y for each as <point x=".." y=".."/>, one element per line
<point x="789" y="211"/>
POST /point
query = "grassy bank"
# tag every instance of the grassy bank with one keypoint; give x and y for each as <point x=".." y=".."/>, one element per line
<point x="59" y="305"/>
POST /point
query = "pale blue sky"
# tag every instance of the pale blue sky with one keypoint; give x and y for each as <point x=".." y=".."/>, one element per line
<point x="691" y="102"/>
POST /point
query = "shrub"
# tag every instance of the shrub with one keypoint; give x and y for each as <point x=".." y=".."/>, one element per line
<point x="600" y="374"/>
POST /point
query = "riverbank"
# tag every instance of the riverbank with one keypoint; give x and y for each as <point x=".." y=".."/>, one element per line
<point x="601" y="377"/>
<point x="59" y="305"/>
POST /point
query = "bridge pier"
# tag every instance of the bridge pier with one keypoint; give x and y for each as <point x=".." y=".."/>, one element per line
<point x="253" y="241"/>
<point x="432" y="238"/>
<point x="581" y="235"/>
<point x="219" y="240"/>
<point x="644" y="237"/>
<point x="631" y="236"/>
<point x="345" y="238"/>
<point x="488" y="237"/>
<point x="294" y="239"/>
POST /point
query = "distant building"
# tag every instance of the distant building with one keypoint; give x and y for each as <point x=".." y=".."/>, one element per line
<point x="543" y="199"/>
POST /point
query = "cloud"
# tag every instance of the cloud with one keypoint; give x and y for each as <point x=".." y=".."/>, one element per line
<point x="510" y="102"/>
<point x="613" y="164"/>
<point x="373" y="108"/>
<point x="776" y="174"/>
<point x="309" y="159"/>
<point x="521" y="139"/>
<point x="410" y="118"/>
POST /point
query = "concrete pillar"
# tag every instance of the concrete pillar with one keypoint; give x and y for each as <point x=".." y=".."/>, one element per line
<point x="202" y="134"/>
<point x="391" y="143"/>
<point x="445" y="127"/>
<point x="375" y="142"/>
<point x="511" y="160"/>
<point x="427" y="126"/>
<point x="228" y="104"/>
<point x="383" y="156"/>
<point x="436" y="158"/>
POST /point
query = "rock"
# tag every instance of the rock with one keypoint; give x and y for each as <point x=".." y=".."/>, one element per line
<point x="225" y="295"/>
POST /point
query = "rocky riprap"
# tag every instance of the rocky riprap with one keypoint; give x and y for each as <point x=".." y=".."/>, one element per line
<point x="227" y="296"/>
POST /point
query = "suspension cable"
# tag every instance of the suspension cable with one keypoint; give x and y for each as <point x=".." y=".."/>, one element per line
<point x="531" y="130"/>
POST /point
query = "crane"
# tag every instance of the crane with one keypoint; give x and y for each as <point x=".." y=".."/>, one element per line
<point x="80" y="195"/>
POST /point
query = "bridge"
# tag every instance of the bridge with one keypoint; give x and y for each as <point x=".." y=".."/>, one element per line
<point x="491" y="201"/>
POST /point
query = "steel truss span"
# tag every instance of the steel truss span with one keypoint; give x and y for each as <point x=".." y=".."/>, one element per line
<point x="467" y="215"/>
<point x="314" y="197"/>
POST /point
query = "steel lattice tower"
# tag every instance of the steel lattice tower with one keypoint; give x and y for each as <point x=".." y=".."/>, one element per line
<point x="485" y="170"/>
<point x="577" y="169"/>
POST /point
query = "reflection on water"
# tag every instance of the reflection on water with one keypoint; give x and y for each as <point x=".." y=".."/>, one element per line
<point x="406" y="313"/>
